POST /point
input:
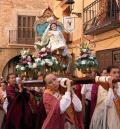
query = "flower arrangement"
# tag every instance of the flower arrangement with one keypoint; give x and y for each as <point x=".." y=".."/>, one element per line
<point x="64" y="67"/>
<point x="24" y="62"/>
<point x="86" y="60"/>
<point x="43" y="57"/>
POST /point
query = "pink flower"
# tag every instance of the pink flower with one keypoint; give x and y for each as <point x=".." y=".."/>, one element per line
<point x="38" y="55"/>
<point x="44" y="55"/>
<point x="25" y="62"/>
<point x="89" y="52"/>
<point x="20" y="60"/>
<point x="28" y="59"/>
<point x="39" y="52"/>
<point x="49" y="50"/>
<point x="84" y="55"/>
<point x="80" y="53"/>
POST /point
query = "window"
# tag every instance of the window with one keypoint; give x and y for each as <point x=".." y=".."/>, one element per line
<point x="117" y="57"/>
<point x="26" y="34"/>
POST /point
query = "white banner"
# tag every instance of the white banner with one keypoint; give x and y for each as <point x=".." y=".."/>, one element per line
<point x="69" y="24"/>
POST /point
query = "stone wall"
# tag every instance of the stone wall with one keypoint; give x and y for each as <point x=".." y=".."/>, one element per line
<point x="9" y="11"/>
<point x="7" y="54"/>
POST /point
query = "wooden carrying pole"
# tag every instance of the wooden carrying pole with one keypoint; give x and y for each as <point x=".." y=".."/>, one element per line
<point x="39" y="83"/>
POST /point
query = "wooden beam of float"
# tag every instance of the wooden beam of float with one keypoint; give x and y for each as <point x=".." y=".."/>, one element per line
<point x="39" y="83"/>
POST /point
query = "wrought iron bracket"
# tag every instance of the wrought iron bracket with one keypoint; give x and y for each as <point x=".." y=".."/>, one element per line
<point x="77" y="14"/>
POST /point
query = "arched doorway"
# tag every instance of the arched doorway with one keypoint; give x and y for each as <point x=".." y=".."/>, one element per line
<point x="10" y="66"/>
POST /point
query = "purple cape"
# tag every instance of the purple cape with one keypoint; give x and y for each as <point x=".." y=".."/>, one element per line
<point x="19" y="114"/>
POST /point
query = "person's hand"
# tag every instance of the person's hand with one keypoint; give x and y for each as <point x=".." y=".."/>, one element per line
<point x="32" y="110"/>
<point x="20" y="86"/>
<point x="67" y="125"/>
<point x="51" y="35"/>
<point x="86" y="102"/>
<point x="60" y="34"/>
<point x="68" y="84"/>
<point x="75" y="75"/>
<point x="72" y="91"/>
<point x="115" y="85"/>
<point x="110" y="82"/>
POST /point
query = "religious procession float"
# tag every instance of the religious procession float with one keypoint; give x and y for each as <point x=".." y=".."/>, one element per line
<point x="51" y="54"/>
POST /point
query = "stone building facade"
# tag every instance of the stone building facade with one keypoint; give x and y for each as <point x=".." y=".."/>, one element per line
<point x="10" y="12"/>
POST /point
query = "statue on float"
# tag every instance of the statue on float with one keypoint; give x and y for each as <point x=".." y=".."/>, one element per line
<point x="57" y="42"/>
<point x="48" y="26"/>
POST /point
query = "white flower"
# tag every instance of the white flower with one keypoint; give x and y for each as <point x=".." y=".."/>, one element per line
<point x="37" y="60"/>
<point x="22" y="68"/>
<point x="42" y="63"/>
<point x="53" y="58"/>
<point x="24" y="56"/>
<point x="63" y="66"/>
<point x="84" y="50"/>
<point x="29" y="57"/>
<point x="83" y="62"/>
<point x="23" y="52"/>
<point x="17" y="66"/>
<point x="39" y="43"/>
<point x="50" y="63"/>
<point x="35" y="46"/>
<point x="76" y="63"/>
<point x="91" y="57"/>
<point x="30" y="66"/>
<point x="92" y="62"/>
<point x="28" y="63"/>
<point x="56" y="62"/>
<point x="43" y="49"/>
<point x="47" y="60"/>
<point x="34" y="65"/>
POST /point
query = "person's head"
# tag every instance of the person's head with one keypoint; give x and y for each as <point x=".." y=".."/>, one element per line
<point x="53" y="26"/>
<point x="11" y="78"/>
<point x="104" y="72"/>
<point x="32" y="88"/>
<point x="19" y="75"/>
<point x="113" y="71"/>
<point x="94" y="73"/>
<point x="51" y="81"/>
<point x="3" y="85"/>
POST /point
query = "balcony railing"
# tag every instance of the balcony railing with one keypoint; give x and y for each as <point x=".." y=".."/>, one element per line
<point x="101" y="16"/>
<point x="21" y="37"/>
<point x="28" y="37"/>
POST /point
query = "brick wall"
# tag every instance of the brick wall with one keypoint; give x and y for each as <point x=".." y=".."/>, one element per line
<point x="9" y="11"/>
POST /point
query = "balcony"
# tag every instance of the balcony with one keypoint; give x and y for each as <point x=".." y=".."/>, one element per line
<point x="21" y="37"/>
<point x="68" y="38"/>
<point x="101" y="16"/>
<point x="28" y="37"/>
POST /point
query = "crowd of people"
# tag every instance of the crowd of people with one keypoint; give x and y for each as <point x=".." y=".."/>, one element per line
<point x="48" y="108"/>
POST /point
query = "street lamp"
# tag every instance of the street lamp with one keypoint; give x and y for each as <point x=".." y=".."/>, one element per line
<point x="70" y="3"/>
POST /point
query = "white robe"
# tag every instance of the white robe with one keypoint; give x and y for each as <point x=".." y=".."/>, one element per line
<point x="105" y="115"/>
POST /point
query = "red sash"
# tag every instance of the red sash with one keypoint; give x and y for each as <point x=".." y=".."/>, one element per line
<point x="69" y="110"/>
